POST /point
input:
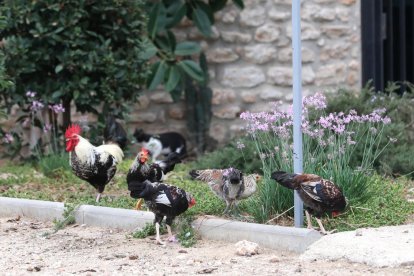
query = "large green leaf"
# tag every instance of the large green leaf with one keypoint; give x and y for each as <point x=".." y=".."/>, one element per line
<point x="149" y="50"/>
<point x="192" y="69"/>
<point x="159" y="69"/>
<point x="202" y="21"/>
<point x="157" y="19"/>
<point x="239" y="3"/>
<point x="217" y="5"/>
<point x="174" y="78"/>
<point x="175" y="16"/>
<point x="187" y="48"/>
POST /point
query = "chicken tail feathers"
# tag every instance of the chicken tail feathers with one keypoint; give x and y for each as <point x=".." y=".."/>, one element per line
<point x="114" y="133"/>
<point x="285" y="179"/>
<point x="169" y="163"/>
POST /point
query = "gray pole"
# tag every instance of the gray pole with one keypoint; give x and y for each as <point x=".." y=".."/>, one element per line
<point x="297" y="105"/>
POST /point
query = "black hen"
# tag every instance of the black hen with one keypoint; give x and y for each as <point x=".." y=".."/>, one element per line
<point x="165" y="200"/>
<point x="141" y="171"/>
<point x="318" y="195"/>
<point x="114" y="133"/>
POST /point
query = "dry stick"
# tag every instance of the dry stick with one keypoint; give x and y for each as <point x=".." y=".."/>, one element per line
<point x="278" y="216"/>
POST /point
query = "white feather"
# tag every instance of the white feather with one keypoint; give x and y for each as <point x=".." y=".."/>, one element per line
<point x="113" y="150"/>
<point x="163" y="199"/>
<point x="154" y="146"/>
<point x="85" y="151"/>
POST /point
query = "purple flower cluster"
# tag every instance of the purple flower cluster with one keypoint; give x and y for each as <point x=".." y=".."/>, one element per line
<point x="47" y="128"/>
<point x="31" y="94"/>
<point x="8" y="138"/>
<point x="57" y="108"/>
<point x="36" y="106"/>
<point x="317" y="101"/>
<point x="240" y="145"/>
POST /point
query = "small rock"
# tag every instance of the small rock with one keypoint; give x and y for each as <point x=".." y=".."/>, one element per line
<point x="133" y="257"/>
<point x="36" y="268"/>
<point x="274" y="260"/>
<point x="207" y="270"/>
<point x="246" y="248"/>
<point x="405" y="232"/>
<point x="119" y="256"/>
<point x="182" y="251"/>
<point x="358" y="232"/>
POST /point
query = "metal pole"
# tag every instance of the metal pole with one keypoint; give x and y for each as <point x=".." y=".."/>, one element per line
<point x="297" y="106"/>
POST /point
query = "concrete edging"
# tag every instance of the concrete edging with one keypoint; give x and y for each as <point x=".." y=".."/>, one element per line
<point x="270" y="236"/>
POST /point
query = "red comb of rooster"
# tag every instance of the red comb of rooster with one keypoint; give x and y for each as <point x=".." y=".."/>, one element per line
<point x="72" y="129"/>
<point x="144" y="150"/>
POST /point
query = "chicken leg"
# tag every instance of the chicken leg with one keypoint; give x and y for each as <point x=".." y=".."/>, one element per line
<point x="157" y="231"/>
<point x="308" y="220"/>
<point x="138" y="205"/>
<point x="98" y="197"/>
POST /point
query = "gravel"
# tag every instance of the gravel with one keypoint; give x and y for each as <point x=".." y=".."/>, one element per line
<point x="79" y="249"/>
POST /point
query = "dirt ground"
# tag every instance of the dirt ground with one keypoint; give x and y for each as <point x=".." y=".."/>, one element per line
<point x="79" y="249"/>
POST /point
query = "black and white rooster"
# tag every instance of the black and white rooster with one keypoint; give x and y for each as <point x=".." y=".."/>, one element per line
<point x="141" y="170"/>
<point x="165" y="200"/>
<point x="96" y="165"/>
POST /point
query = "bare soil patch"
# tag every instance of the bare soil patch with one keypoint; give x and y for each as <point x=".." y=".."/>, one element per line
<point x="85" y="250"/>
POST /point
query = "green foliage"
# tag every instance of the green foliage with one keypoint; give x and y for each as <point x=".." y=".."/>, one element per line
<point x="198" y="98"/>
<point x="387" y="205"/>
<point x="54" y="165"/>
<point x="186" y="232"/>
<point x="148" y="230"/>
<point x="329" y="143"/>
<point x="86" y="51"/>
<point x="170" y="69"/>
<point x="241" y="153"/>
<point x="396" y="159"/>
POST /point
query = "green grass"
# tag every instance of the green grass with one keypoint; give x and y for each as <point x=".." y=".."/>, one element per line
<point x="385" y="206"/>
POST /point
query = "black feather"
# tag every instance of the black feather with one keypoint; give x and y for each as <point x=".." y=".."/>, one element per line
<point x="115" y="133"/>
<point x="285" y="179"/>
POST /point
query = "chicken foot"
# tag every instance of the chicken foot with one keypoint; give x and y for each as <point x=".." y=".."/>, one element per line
<point x="322" y="229"/>
<point x="171" y="237"/>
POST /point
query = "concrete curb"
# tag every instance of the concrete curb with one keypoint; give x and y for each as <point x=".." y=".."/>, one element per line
<point x="270" y="236"/>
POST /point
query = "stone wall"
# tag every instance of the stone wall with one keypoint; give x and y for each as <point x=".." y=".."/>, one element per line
<point x="250" y="61"/>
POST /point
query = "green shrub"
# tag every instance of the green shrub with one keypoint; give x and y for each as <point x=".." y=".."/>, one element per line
<point x="241" y="153"/>
<point x="329" y="142"/>
<point x="396" y="159"/>
<point x="54" y="165"/>
<point x="85" y="51"/>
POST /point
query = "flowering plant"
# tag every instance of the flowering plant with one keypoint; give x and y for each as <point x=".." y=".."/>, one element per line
<point x="329" y="141"/>
<point x="36" y="114"/>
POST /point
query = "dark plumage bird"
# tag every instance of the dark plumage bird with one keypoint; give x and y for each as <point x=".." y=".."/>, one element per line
<point x="318" y="195"/>
<point x="115" y="133"/>
<point x="142" y="171"/>
<point x="165" y="200"/>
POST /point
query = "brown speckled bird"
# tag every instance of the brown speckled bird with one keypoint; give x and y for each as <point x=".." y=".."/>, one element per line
<point x="318" y="195"/>
<point x="228" y="184"/>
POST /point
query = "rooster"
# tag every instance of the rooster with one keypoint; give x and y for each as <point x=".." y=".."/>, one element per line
<point x="228" y="184"/>
<point x="318" y="195"/>
<point x="141" y="170"/>
<point x="96" y="165"/>
<point x="164" y="200"/>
